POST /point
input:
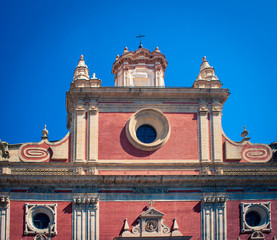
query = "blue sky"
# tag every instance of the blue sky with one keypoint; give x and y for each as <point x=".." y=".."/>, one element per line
<point x="41" y="42"/>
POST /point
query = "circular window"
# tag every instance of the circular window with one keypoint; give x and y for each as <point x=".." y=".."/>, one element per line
<point x="256" y="217"/>
<point x="146" y="134"/>
<point x="148" y="129"/>
<point x="41" y="220"/>
<point x="253" y="218"/>
<point x="38" y="217"/>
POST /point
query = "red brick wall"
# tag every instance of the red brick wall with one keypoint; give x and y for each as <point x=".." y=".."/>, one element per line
<point x="182" y="143"/>
<point x="64" y="220"/>
<point x="234" y="224"/>
<point x="112" y="215"/>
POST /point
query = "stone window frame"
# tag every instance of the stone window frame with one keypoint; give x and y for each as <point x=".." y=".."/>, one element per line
<point x="263" y="209"/>
<point x="156" y="119"/>
<point x="31" y="209"/>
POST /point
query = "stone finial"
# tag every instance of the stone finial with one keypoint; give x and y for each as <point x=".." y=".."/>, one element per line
<point x="157" y="49"/>
<point x="81" y="72"/>
<point x="244" y="135"/>
<point x="175" y="227"/>
<point x="126" y="225"/>
<point x="126" y="50"/>
<point x="93" y="76"/>
<point x="117" y="57"/>
<point x="126" y="232"/>
<point x="206" y="77"/>
<point x="44" y="133"/>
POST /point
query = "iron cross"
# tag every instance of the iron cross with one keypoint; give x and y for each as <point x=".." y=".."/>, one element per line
<point x="140" y="36"/>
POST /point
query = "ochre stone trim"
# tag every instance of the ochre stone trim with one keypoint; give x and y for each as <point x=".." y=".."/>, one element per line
<point x="154" y="118"/>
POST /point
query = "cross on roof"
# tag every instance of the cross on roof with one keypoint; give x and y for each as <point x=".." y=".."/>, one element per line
<point x="140" y="36"/>
<point x="151" y="203"/>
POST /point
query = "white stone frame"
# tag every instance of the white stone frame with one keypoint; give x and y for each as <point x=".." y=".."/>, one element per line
<point x="49" y="209"/>
<point x="154" y="118"/>
<point x="264" y="210"/>
<point x="4" y="217"/>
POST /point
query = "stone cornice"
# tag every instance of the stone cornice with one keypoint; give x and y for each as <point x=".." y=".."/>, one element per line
<point x="155" y="92"/>
<point x="142" y="180"/>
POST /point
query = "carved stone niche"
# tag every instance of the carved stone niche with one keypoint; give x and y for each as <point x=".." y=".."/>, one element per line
<point x="151" y="226"/>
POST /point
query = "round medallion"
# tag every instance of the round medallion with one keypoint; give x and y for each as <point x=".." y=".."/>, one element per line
<point x="151" y="226"/>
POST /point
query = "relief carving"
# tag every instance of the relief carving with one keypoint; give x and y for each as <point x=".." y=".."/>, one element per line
<point x="40" y="189"/>
<point x="150" y="190"/>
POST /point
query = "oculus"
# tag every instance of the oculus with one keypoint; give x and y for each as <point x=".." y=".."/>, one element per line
<point x="255" y="217"/>
<point x="148" y="129"/>
<point x="40" y="219"/>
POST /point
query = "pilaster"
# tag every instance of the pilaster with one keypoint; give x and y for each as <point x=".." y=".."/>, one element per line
<point x="213" y="215"/>
<point x="93" y="134"/>
<point x="80" y="134"/>
<point x="204" y="133"/>
<point x="86" y="217"/>
<point x="207" y="220"/>
<point x="4" y="217"/>
<point x="216" y="133"/>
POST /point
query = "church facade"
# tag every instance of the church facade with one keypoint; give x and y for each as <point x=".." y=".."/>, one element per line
<point x="140" y="161"/>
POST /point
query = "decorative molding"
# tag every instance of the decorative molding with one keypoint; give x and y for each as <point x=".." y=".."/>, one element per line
<point x="4" y="189"/>
<point x="86" y="199"/>
<point x="85" y="189"/>
<point x="42" y="171"/>
<point x="41" y="189"/>
<point x="91" y="171"/>
<point x="213" y="189"/>
<point x="152" y="190"/>
<point x="256" y="189"/>
<point x="79" y="171"/>
<point x="219" y="170"/>
<point x="4" y="201"/>
<point x="214" y="199"/>
<point x="250" y="171"/>
<point x="205" y="171"/>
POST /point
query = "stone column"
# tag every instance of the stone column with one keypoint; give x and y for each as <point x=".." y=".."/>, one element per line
<point x="216" y="133"/>
<point x="93" y="134"/>
<point x="204" y="133"/>
<point x="85" y="217"/>
<point x="4" y="217"/>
